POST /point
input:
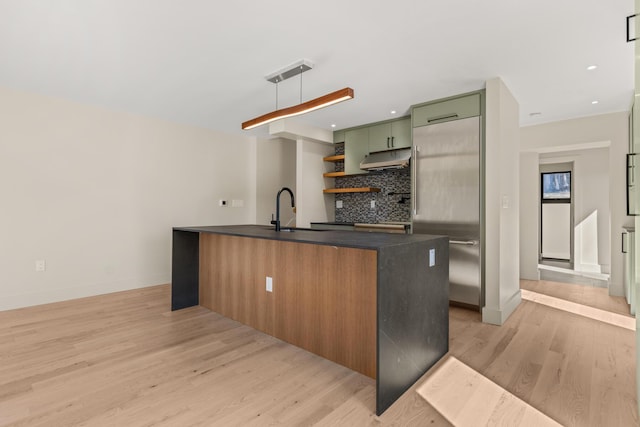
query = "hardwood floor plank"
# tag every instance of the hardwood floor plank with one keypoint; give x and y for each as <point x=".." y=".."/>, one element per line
<point x="547" y="387"/>
<point x="467" y="398"/>
<point x="126" y="359"/>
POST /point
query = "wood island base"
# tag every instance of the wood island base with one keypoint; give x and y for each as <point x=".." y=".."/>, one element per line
<point x="368" y="301"/>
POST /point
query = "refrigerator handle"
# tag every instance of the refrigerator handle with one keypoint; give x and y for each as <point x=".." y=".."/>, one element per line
<point x="464" y="242"/>
<point x="414" y="171"/>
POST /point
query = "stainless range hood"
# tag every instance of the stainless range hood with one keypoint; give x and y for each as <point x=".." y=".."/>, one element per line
<point x="395" y="159"/>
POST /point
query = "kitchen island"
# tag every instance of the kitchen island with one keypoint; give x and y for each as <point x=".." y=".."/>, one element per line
<point x="376" y="303"/>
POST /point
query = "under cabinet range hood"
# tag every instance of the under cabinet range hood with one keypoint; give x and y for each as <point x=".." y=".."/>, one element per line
<point x="395" y="159"/>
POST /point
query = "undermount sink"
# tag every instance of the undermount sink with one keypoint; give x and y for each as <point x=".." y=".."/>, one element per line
<point x="290" y="229"/>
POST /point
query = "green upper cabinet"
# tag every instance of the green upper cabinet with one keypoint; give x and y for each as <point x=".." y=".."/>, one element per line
<point x="390" y="135"/>
<point x="401" y="133"/>
<point x="356" y="146"/>
<point x="380" y="137"/>
<point x="338" y="136"/>
<point x="634" y="132"/>
<point x="446" y="110"/>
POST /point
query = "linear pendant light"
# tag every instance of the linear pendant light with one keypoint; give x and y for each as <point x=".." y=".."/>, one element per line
<point x="314" y="104"/>
<point x="295" y="69"/>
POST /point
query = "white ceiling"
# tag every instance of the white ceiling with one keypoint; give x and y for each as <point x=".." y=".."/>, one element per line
<point x="204" y="62"/>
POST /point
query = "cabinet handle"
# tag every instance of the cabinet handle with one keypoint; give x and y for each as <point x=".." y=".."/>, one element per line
<point x="392" y="141"/>
<point x="629" y="39"/>
<point x="446" y="116"/>
<point x="388" y="142"/>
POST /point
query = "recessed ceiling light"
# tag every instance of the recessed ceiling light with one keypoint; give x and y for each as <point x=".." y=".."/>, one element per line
<point x="592" y="67"/>
<point x="393" y="111"/>
<point x="333" y="125"/>
<point x="594" y="102"/>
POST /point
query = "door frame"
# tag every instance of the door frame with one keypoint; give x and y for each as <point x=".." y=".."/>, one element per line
<point x="551" y="168"/>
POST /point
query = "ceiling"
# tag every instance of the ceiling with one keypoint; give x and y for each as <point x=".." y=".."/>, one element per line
<point x="204" y="62"/>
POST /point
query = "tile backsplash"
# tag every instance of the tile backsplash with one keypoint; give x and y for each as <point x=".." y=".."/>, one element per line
<point x="356" y="207"/>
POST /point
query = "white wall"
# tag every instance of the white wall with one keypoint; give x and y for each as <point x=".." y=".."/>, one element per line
<point x="502" y="206"/>
<point x="529" y="216"/>
<point x="587" y="133"/>
<point x="592" y="215"/>
<point x="275" y="168"/>
<point x="95" y="194"/>
<point x="313" y="206"/>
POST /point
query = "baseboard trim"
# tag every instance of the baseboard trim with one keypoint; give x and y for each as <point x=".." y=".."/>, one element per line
<point x="30" y="299"/>
<point x="497" y="316"/>
<point x="588" y="268"/>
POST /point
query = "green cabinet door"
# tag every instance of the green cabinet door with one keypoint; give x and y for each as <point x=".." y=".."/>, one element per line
<point x="338" y="136"/>
<point x="356" y="146"/>
<point x="401" y="133"/>
<point x="631" y="128"/>
<point x="635" y="146"/>
<point x="390" y="135"/>
<point x="444" y="111"/>
<point x="380" y="137"/>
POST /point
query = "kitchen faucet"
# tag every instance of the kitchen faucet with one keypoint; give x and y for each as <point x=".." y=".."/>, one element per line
<point x="276" y="222"/>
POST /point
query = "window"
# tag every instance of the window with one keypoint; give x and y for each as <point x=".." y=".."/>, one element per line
<point x="556" y="187"/>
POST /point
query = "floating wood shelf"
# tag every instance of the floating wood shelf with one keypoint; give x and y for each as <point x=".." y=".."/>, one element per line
<point x="337" y="158"/>
<point x="333" y="174"/>
<point x="352" y="190"/>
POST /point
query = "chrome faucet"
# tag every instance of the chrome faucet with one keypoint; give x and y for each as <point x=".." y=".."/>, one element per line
<point x="276" y="222"/>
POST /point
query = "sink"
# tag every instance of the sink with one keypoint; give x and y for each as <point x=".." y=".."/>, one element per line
<point x="290" y="229"/>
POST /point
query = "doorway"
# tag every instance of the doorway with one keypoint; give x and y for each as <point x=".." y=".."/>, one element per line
<point x="587" y="203"/>
<point x="556" y="215"/>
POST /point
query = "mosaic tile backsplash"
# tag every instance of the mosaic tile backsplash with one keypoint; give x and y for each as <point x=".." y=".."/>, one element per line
<point x="356" y="207"/>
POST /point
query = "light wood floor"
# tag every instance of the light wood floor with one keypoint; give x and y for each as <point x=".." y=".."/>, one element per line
<point x="124" y="359"/>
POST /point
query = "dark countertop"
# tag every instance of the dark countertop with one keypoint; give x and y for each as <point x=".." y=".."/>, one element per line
<point x="330" y="238"/>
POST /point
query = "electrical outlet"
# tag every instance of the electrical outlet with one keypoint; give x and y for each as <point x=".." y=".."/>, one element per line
<point x="269" y="283"/>
<point x="338" y="204"/>
<point x="432" y="257"/>
<point x="373" y="204"/>
<point x="41" y="265"/>
<point x="505" y="202"/>
<point x="237" y="203"/>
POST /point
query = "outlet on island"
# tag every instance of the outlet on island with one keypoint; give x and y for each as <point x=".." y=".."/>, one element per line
<point x="269" y="283"/>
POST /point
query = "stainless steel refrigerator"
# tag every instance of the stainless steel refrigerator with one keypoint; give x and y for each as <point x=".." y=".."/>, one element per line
<point x="446" y="198"/>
